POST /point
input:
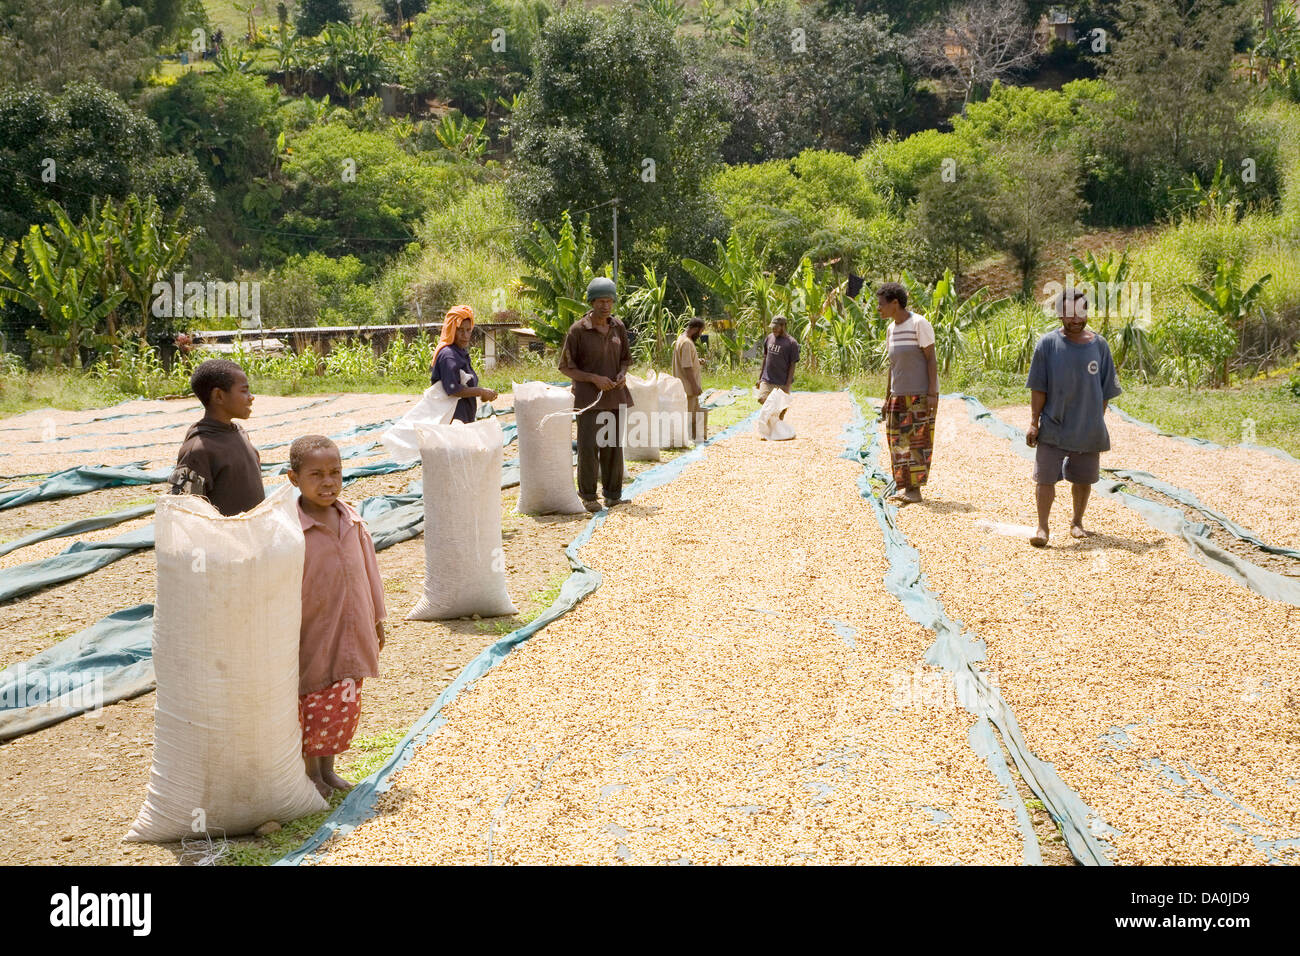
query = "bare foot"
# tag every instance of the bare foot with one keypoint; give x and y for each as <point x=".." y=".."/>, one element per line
<point x="1039" y="539"/>
<point x="913" y="495"/>
<point x="1077" y="531"/>
<point x="334" y="780"/>
<point x="322" y="787"/>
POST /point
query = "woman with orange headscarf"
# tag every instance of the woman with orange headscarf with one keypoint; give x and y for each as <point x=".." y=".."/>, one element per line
<point x="451" y="364"/>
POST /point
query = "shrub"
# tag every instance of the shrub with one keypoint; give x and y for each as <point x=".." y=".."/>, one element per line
<point x="360" y="191"/>
<point x="895" y="167"/>
<point x="1196" y="345"/>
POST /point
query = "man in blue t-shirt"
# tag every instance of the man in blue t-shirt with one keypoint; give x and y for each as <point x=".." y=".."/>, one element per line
<point x="1072" y="380"/>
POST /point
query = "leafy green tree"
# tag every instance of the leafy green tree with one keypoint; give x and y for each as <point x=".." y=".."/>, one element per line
<point x="81" y="145"/>
<point x="608" y="115"/>
<point x="800" y="83"/>
<point x="817" y="205"/>
<point x="1178" y="106"/>
<point x="313" y="15"/>
<point x="471" y="52"/>
<point x="358" y="191"/>
<point x="54" y="43"/>
<point x="227" y="122"/>
<point x="954" y="211"/>
<point x="1038" y="202"/>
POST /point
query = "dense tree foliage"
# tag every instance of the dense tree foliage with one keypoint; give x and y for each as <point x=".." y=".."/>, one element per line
<point x="83" y="144"/>
<point x="610" y="114"/>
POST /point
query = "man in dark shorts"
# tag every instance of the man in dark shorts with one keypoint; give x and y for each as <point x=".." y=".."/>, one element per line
<point x="1072" y="380"/>
<point x="596" y="355"/>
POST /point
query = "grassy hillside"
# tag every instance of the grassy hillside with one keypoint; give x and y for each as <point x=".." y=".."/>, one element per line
<point x="224" y="14"/>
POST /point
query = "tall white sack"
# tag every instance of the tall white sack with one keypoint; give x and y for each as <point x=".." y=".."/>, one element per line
<point x="464" y="562"/>
<point x="672" y="412"/>
<point x="227" y="745"/>
<point x="544" y="417"/>
<point x="770" y="424"/>
<point x="641" y="423"/>
<point x="435" y="407"/>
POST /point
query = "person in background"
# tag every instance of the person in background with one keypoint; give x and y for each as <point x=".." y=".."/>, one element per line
<point x="780" y="354"/>
<point x="597" y="355"/>
<point x="688" y="369"/>
<point x="911" y="392"/>
<point x="343" y="610"/>
<point x="216" y="460"/>
<point x="451" y="364"/>
<point x="1071" y="381"/>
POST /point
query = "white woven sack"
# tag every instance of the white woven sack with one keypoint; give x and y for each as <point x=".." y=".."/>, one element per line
<point x="435" y="407"/>
<point x="672" y="413"/>
<point x="544" y="416"/>
<point x="770" y="424"/>
<point x="464" y="563"/>
<point x="641" y="433"/>
<point x="227" y="746"/>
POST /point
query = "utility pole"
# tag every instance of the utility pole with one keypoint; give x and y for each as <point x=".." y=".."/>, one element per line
<point x="615" y="201"/>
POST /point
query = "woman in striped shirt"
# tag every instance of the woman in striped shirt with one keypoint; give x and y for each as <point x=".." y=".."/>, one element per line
<point x="911" y="392"/>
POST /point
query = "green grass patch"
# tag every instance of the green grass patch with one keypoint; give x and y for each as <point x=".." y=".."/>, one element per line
<point x="1221" y="415"/>
<point x="367" y="755"/>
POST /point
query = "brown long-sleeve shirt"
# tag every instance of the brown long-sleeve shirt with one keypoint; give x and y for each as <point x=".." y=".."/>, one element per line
<point x="342" y="601"/>
<point x="218" y="462"/>
<point x="599" y="353"/>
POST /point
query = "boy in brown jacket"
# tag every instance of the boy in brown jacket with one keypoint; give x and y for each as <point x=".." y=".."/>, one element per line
<point x="217" y="461"/>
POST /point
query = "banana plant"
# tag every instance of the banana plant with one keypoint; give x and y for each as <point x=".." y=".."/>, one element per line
<point x="1225" y="299"/>
<point x="561" y="271"/>
<point x="462" y="137"/>
<point x="1105" y="277"/>
<point x="728" y="283"/>
<point x="809" y="303"/>
<point x="149" y="247"/>
<point x="233" y="58"/>
<point x="51" y="284"/>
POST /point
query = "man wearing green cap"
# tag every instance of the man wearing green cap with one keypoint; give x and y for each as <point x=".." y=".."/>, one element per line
<point x="596" y="356"/>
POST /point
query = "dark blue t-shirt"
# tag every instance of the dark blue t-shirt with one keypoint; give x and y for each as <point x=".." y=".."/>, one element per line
<point x="782" y="353"/>
<point x="447" y="367"/>
<point x="1079" y="380"/>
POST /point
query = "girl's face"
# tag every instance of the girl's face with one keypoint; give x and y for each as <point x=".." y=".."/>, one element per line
<point x="320" y="479"/>
<point x="464" y="332"/>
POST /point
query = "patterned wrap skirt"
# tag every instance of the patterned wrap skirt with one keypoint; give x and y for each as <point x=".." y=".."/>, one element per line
<point x="329" y="718"/>
<point x="909" y="429"/>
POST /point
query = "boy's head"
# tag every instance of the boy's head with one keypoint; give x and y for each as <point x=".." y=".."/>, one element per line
<point x="316" y="469"/>
<point x="223" y="388"/>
